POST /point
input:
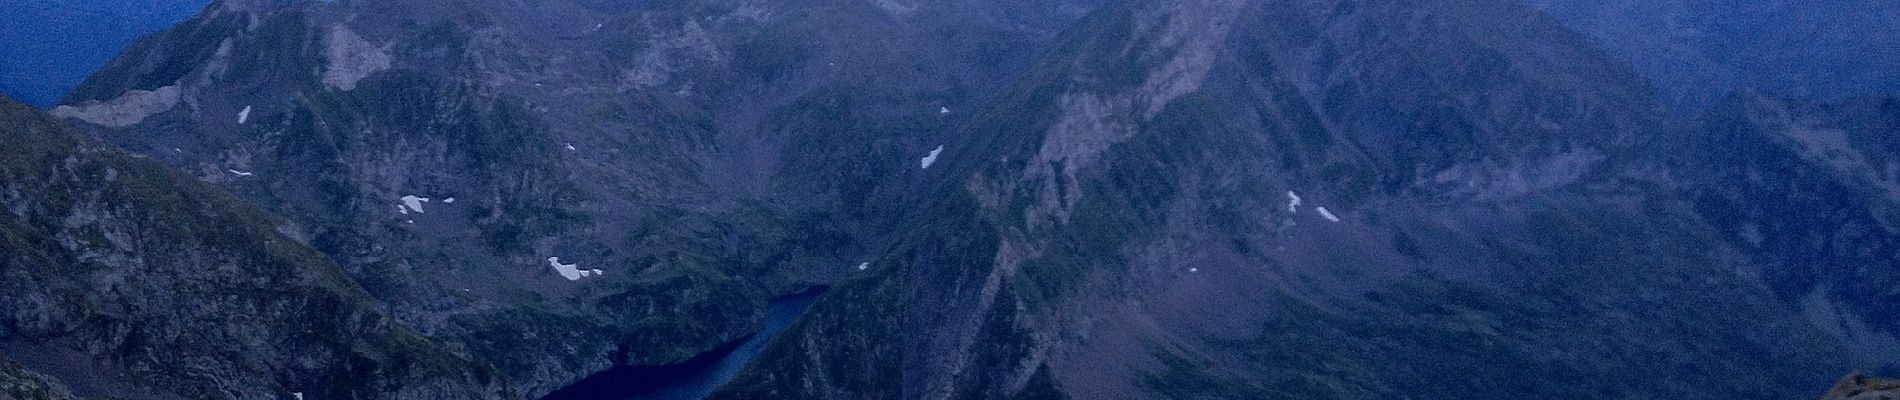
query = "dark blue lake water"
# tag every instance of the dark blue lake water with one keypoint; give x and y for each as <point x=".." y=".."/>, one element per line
<point x="695" y="378"/>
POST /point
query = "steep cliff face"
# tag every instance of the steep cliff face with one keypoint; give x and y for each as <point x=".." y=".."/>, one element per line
<point x="556" y="186"/>
<point x="123" y="278"/>
<point x="1311" y="199"/>
<point x="1698" y="51"/>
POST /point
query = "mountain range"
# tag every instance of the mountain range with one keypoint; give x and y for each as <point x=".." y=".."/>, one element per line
<point x="1087" y="199"/>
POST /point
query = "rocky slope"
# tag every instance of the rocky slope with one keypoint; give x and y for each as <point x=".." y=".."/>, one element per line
<point x="1317" y="199"/>
<point x="126" y="279"/>
<point x="556" y="186"/>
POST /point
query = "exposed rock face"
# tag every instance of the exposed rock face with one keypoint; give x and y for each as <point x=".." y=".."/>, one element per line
<point x="123" y="278"/>
<point x="127" y="110"/>
<point x="349" y="59"/>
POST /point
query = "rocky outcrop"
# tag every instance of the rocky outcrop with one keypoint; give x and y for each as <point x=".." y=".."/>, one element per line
<point x="17" y="383"/>
<point x="1862" y="387"/>
<point x="348" y="59"/>
<point x="127" y="110"/>
<point x="123" y="278"/>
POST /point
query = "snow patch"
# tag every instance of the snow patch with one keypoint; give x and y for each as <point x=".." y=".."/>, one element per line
<point x="864" y="266"/>
<point x="244" y="115"/>
<point x="412" y="202"/>
<point x="1292" y="201"/>
<point x="572" y="272"/>
<point x="932" y="158"/>
<point x="570" y="147"/>
<point x="239" y="173"/>
<point x="1328" y="214"/>
<point x="1191" y="269"/>
<point x="450" y="200"/>
<point x="943" y="110"/>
